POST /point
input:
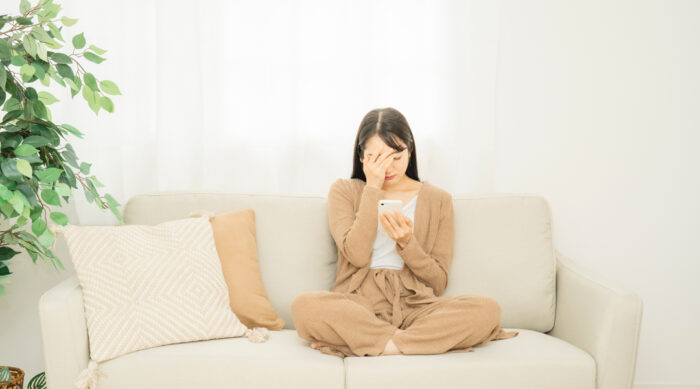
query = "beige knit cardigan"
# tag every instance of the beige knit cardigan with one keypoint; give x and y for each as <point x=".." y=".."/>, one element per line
<point x="353" y="216"/>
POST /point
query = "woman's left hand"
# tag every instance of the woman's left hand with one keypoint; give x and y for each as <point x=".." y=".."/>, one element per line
<point x="399" y="231"/>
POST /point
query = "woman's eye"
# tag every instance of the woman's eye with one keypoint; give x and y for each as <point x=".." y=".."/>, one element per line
<point x="396" y="159"/>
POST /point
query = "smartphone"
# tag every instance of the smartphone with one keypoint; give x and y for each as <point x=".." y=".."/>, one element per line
<point x="390" y="206"/>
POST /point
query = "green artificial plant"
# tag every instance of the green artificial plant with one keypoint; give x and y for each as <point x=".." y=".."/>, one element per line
<point x="36" y="170"/>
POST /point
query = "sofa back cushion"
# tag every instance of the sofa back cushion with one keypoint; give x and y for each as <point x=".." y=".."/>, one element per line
<point x="295" y="250"/>
<point x="503" y="249"/>
<point x="503" y="246"/>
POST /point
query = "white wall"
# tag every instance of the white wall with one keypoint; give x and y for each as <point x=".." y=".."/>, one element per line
<point x="598" y="109"/>
<point x="592" y="104"/>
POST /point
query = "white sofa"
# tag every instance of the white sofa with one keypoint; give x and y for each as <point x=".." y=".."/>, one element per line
<point x="577" y="330"/>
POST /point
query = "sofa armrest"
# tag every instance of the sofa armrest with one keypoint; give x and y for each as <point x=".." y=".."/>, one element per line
<point x="64" y="333"/>
<point x="600" y="318"/>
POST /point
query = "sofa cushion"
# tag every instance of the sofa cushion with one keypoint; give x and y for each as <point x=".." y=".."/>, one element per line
<point x="234" y="234"/>
<point x="146" y="286"/>
<point x="504" y="249"/>
<point x="530" y="360"/>
<point x="284" y="361"/>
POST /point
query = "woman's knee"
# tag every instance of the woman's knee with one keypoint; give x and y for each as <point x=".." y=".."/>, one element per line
<point x="488" y="307"/>
<point x="307" y="305"/>
<point x="492" y="309"/>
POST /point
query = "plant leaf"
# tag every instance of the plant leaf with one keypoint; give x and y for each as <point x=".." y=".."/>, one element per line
<point x="79" y="41"/>
<point x="90" y="81"/>
<point x="68" y="21"/>
<point x="72" y="85"/>
<point x="50" y="196"/>
<point x="65" y="71"/>
<point x="97" y="49"/>
<point x="47" y="237"/>
<point x="62" y="189"/>
<point x="3" y="77"/>
<point x="18" y="60"/>
<point x="110" y="87"/>
<point x="41" y="51"/>
<point x="31" y="94"/>
<point x="27" y="71"/>
<point x="37" y="141"/>
<point x="55" y="31"/>
<point x="24" y="21"/>
<point x="30" y="45"/>
<point x="92" y="99"/>
<point x="7" y="253"/>
<point x="24" y="167"/>
<point x="24" y="150"/>
<point x="47" y="98"/>
<point x="12" y="114"/>
<point x="24" y="7"/>
<point x="5" y="52"/>
<point x="107" y="104"/>
<point x="72" y="130"/>
<point x="38" y="226"/>
<point x="40" y="110"/>
<point x="85" y="168"/>
<point x="59" y="218"/>
<point x="93" y="57"/>
<point x="61" y="58"/>
<point x="48" y="176"/>
<point x="38" y="71"/>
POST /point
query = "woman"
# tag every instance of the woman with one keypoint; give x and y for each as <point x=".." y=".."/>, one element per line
<point x="392" y="269"/>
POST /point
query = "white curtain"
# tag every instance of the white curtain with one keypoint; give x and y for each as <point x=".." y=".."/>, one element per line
<point x="267" y="96"/>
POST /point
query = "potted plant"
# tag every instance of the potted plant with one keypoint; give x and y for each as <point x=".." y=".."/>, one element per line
<point x="13" y="378"/>
<point x="38" y="167"/>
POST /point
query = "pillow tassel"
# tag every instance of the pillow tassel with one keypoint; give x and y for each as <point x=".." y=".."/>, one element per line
<point x="258" y="334"/>
<point x="88" y="377"/>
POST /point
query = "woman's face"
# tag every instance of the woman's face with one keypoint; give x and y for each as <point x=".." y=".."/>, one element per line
<point x="396" y="172"/>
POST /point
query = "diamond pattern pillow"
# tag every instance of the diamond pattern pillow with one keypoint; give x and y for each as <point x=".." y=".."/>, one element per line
<point x="145" y="286"/>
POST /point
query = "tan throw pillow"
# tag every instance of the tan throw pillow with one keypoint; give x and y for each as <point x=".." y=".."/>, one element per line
<point x="145" y="286"/>
<point x="236" y="243"/>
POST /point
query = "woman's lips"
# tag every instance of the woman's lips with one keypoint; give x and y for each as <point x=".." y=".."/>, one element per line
<point x="389" y="177"/>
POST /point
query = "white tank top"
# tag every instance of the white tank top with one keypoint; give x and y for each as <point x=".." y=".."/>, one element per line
<point x="384" y="253"/>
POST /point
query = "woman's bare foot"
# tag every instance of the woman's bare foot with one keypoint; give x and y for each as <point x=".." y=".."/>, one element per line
<point x="390" y="348"/>
<point x="344" y="349"/>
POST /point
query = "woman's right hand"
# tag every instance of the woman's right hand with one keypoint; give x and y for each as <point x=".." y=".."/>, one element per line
<point x="375" y="167"/>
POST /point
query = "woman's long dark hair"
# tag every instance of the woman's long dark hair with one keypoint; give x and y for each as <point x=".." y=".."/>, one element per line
<point x="389" y="124"/>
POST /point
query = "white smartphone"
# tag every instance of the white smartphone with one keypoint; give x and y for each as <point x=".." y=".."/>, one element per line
<point x="390" y="206"/>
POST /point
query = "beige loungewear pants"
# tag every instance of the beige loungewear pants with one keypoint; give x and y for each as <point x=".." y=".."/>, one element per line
<point x="364" y="320"/>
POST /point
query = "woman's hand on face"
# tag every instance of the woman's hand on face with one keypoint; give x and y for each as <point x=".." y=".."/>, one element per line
<point x="375" y="168"/>
<point x="399" y="231"/>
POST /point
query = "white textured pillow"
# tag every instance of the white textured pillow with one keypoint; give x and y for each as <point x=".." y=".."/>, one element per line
<point x="145" y="286"/>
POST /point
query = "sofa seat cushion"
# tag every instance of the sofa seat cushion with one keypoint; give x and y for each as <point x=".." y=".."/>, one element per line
<point x="530" y="360"/>
<point x="283" y="361"/>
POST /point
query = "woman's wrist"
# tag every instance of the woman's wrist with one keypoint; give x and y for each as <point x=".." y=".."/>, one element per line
<point x="374" y="185"/>
<point x="404" y="242"/>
